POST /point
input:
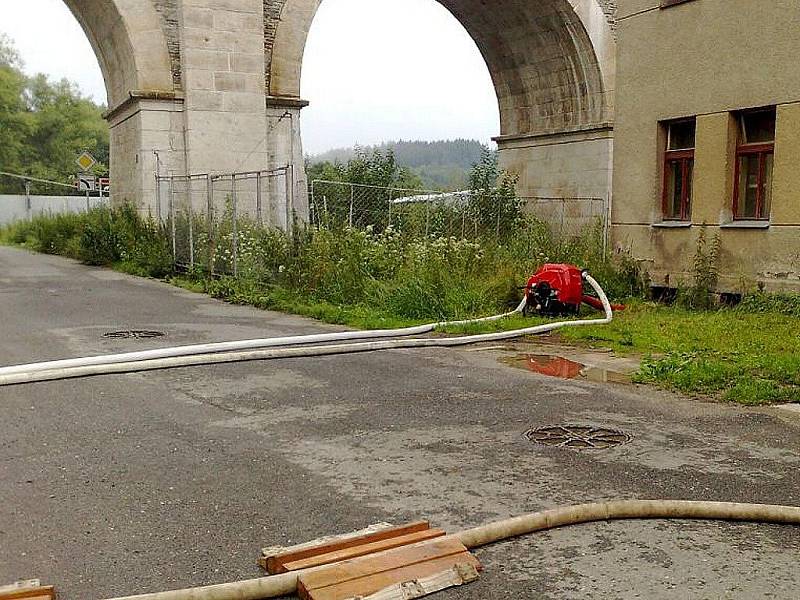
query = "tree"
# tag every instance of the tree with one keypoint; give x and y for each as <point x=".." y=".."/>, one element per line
<point x="443" y="164"/>
<point x="379" y="180"/>
<point x="63" y="125"/>
<point x="45" y="125"/>
<point x="494" y="202"/>
<point x="9" y="57"/>
<point x="375" y="168"/>
<point x="14" y="124"/>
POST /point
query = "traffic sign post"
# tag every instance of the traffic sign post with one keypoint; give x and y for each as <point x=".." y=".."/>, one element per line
<point x="86" y="161"/>
<point x="86" y="182"/>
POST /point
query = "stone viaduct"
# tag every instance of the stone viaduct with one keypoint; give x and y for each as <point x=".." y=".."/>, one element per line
<point x="214" y="86"/>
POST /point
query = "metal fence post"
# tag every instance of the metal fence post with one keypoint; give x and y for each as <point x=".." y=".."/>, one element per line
<point x="210" y="224"/>
<point x="158" y="199"/>
<point x="190" y="215"/>
<point x="235" y="226"/>
<point x="312" y="202"/>
<point x="288" y="184"/>
<point x="390" y="207"/>
<point x="259" y="208"/>
<point x="352" y="203"/>
<point x="172" y="220"/>
<point x="28" y="207"/>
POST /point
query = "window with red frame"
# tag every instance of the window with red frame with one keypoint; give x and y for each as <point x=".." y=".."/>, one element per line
<point x="678" y="170"/>
<point x="755" y="153"/>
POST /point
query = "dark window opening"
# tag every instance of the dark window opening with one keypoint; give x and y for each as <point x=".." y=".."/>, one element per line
<point x="755" y="152"/>
<point x="678" y="170"/>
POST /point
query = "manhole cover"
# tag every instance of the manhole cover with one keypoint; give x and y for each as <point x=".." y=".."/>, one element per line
<point x="133" y="334"/>
<point x="579" y="437"/>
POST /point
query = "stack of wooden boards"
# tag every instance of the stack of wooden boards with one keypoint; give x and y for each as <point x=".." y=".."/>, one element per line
<point x="27" y="590"/>
<point x="382" y="562"/>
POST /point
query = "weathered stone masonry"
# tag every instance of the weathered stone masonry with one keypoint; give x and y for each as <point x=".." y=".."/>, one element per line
<point x="168" y="9"/>
<point x="272" y="18"/>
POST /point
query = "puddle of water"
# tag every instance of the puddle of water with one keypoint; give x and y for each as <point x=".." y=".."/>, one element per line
<point x="563" y="368"/>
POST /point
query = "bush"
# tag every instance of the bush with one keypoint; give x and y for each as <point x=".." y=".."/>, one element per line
<point x="100" y="237"/>
<point x="760" y="302"/>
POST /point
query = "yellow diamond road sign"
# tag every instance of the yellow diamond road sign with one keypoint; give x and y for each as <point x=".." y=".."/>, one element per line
<point x="86" y="161"/>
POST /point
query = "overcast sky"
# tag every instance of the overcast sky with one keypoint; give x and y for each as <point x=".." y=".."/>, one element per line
<point x="374" y="70"/>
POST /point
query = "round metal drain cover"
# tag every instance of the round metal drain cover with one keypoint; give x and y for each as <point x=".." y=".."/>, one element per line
<point x="579" y="437"/>
<point x="133" y="334"/>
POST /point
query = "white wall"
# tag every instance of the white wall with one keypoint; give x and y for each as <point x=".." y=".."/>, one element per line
<point x="15" y="208"/>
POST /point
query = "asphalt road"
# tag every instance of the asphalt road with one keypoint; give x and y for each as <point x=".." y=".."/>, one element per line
<point x="132" y="483"/>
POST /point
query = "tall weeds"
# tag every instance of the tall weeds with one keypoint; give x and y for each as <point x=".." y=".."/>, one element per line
<point x="386" y="272"/>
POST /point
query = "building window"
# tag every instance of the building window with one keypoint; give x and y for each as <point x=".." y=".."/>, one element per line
<point x="755" y="151"/>
<point x="678" y="170"/>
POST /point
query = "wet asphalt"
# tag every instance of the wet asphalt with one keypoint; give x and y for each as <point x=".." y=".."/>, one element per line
<point x="123" y="484"/>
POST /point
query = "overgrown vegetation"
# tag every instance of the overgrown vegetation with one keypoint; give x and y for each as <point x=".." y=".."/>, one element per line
<point x="705" y="275"/>
<point x="45" y="125"/>
<point x="117" y="237"/>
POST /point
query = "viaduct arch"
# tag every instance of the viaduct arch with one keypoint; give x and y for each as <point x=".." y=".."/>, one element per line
<point x="214" y="86"/>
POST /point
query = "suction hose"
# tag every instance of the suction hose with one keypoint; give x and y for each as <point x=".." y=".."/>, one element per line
<point x="285" y="584"/>
<point x="75" y="368"/>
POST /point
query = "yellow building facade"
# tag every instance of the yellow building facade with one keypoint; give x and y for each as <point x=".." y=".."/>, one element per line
<point x="707" y="138"/>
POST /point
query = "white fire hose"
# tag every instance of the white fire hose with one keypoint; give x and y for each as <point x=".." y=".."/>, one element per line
<point x="287" y="347"/>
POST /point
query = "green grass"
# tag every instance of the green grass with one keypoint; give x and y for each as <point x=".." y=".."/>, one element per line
<point x="749" y="355"/>
<point x="730" y="354"/>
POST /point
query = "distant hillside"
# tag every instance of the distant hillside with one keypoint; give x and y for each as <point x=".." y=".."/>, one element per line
<point x="440" y="165"/>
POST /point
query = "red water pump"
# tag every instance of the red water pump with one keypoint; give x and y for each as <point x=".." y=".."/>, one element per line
<point x="557" y="289"/>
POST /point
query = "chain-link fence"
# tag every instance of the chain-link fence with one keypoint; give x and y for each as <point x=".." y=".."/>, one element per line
<point x="464" y="214"/>
<point x="209" y="216"/>
<point x="212" y="220"/>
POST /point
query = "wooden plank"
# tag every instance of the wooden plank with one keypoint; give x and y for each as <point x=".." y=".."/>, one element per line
<point x="367" y="586"/>
<point x="363" y="550"/>
<point x="20" y="585"/>
<point x="46" y="592"/>
<point x="275" y="564"/>
<point x="461" y="574"/>
<point x="273" y="551"/>
<point x="389" y="560"/>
